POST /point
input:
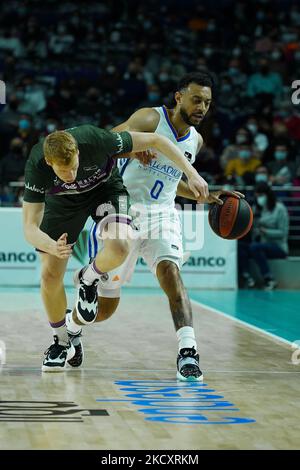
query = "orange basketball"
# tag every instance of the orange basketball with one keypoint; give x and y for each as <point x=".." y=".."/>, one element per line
<point x="233" y="219"/>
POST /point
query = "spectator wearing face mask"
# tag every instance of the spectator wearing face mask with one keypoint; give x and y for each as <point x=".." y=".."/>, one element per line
<point x="230" y="152"/>
<point x="26" y="132"/>
<point x="228" y="98"/>
<point x="280" y="168"/>
<point x="24" y="126"/>
<point x="243" y="167"/>
<point x="33" y="97"/>
<point x="269" y="236"/>
<point x="260" y="139"/>
<point x="153" y="95"/>
<point x="261" y="174"/>
<point x="238" y="78"/>
<point x="51" y="125"/>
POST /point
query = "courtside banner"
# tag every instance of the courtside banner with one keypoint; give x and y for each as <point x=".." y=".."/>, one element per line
<point x="19" y="261"/>
<point x="214" y="265"/>
<point x="211" y="261"/>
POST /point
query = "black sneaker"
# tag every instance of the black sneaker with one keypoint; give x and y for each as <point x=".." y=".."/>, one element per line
<point x="248" y="280"/>
<point x="56" y="356"/>
<point x="78" y="357"/>
<point x="270" y="284"/>
<point x="188" y="366"/>
<point x="87" y="299"/>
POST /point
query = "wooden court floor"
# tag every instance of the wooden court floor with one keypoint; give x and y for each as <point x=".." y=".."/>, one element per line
<point x="126" y="395"/>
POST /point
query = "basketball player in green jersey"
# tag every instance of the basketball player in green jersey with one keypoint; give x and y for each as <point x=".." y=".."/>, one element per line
<point x="158" y="183"/>
<point x="70" y="176"/>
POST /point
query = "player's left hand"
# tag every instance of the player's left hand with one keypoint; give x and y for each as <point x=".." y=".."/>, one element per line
<point x="214" y="196"/>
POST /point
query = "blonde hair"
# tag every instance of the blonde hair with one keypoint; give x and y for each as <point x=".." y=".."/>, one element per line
<point x="60" y="147"/>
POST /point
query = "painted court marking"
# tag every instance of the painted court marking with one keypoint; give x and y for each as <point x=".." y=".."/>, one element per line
<point x="178" y="402"/>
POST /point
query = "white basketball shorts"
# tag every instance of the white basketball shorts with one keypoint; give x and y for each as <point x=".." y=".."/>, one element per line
<point x="158" y="237"/>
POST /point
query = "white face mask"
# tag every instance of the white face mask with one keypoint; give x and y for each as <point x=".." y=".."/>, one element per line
<point x="262" y="200"/>
<point x="259" y="177"/>
<point x="252" y="128"/>
<point x="51" y="127"/>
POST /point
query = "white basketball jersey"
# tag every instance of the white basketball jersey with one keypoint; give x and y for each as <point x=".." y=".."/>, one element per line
<point x="157" y="182"/>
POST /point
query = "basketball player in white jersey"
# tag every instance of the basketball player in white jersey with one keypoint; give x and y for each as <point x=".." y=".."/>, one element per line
<point x="152" y="189"/>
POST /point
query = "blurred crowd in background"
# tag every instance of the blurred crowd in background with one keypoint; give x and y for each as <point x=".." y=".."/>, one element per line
<point x="66" y="64"/>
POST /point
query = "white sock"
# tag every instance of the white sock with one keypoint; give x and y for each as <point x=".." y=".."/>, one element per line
<point x="186" y="338"/>
<point x="91" y="273"/>
<point x="59" y="329"/>
<point x="72" y="327"/>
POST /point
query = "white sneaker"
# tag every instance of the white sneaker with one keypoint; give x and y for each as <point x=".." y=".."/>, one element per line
<point x="57" y="356"/>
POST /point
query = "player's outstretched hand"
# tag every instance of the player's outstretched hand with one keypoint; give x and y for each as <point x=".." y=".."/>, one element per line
<point x="62" y="249"/>
<point x="214" y="197"/>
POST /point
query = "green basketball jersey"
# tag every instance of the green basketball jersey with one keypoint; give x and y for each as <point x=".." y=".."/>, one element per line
<point x="96" y="165"/>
